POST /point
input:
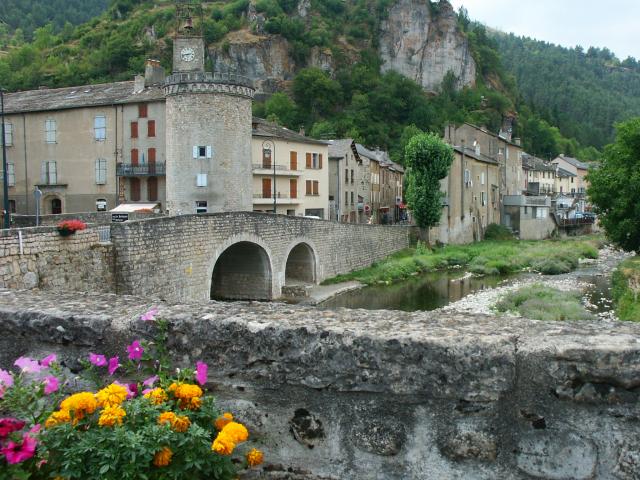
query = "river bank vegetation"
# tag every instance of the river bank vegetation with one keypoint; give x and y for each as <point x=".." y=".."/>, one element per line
<point x="550" y="257"/>
<point x="626" y="289"/>
<point x="539" y="302"/>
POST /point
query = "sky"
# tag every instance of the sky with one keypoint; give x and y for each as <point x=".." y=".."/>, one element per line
<point x="613" y="24"/>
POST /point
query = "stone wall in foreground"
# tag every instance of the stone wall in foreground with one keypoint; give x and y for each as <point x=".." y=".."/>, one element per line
<point x="354" y="394"/>
<point x="40" y="258"/>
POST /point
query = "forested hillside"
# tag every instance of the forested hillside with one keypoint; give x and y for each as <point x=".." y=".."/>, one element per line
<point x="582" y="92"/>
<point x="27" y="15"/>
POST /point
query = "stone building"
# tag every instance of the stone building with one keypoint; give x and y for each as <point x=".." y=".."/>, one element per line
<point x="540" y="176"/>
<point x="299" y="165"/>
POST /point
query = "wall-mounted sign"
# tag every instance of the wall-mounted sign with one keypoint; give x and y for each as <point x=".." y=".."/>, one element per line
<point x="119" y="217"/>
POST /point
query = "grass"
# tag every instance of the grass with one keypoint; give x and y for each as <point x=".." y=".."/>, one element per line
<point x="626" y="289"/>
<point x="485" y="258"/>
<point x="538" y="302"/>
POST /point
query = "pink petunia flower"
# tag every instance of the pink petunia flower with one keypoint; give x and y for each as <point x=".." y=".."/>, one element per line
<point x="48" y="360"/>
<point x="201" y="372"/>
<point x="149" y="316"/>
<point x="135" y="350"/>
<point x="150" y="381"/>
<point x="20" y="452"/>
<point x="132" y="389"/>
<point x="147" y="390"/>
<point x="6" y="381"/>
<point x="9" y="425"/>
<point x="28" y="365"/>
<point x="97" y="360"/>
<point x="51" y="385"/>
<point x="114" y="363"/>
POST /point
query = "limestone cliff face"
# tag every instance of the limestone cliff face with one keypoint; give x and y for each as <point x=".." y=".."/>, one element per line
<point x="425" y="47"/>
<point x="413" y="42"/>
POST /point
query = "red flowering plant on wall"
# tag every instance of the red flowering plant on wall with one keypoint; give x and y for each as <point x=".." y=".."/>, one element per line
<point x="68" y="227"/>
<point x="154" y="422"/>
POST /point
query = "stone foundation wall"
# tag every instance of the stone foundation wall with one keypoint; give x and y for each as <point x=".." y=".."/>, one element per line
<point x="365" y="395"/>
<point x="49" y="261"/>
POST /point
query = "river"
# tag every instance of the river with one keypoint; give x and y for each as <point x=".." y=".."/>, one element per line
<point x="461" y="291"/>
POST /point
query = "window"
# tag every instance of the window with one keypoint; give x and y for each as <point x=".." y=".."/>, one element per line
<point x="352" y="177"/>
<point x="266" y="188"/>
<point x="201" y="206"/>
<point x="12" y="206"/>
<point x="202" y="151"/>
<point x="142" y="110"/>
<point x="314" y="161"/>
<point x="152" y="189"/>
<point x="352" y="198"/>
<point x="151" y="128"/>
<point x="541" y="213"/>
<point x="50" y="131"/>
<point x="135" y="189"/>
<point x="201" y="180"/>
<point x="315" y="187"/>
<point x="346" y="175"/>
<point x="100" y="128"/>
<point x="11" y="174"/>
<point x="151" y="156"/>
<point x="293" y="188"/>
<point x="49" y="173"/>
<point x="134" y="156"/>
<point x="346" y="198"/>
<point x="56" y="206"/>
<point x="482" y="178"/>
<point x="134" y="129"/>
<point x="8" y="135"/>
<point x="483" y="198"/>
<point x="309" y="187"/>
<point x="266" y="158"/>
<point x="467" y="178"/>
<point x="293" y="160"/>
<point x="101" y="171"/>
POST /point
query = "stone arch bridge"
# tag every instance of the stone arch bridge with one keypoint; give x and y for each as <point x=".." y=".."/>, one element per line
<point x="241" y="255"/>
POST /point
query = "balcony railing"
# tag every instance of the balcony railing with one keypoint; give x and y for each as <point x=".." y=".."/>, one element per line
<point x="269" y="196"/>
<point x="208" y="77"/>
<point x="145" y="169"/>
<point x="278" y="168"/>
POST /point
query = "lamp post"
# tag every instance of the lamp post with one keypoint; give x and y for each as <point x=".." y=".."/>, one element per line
<point x="266" y="145"/>
<point x="5" y="179"/>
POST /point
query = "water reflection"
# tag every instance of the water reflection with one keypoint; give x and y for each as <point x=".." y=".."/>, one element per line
<point x="425" y="292"/>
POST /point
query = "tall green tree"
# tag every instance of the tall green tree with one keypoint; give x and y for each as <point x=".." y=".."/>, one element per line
<point x="428" y="160"/>
<point x="615" y="187"/>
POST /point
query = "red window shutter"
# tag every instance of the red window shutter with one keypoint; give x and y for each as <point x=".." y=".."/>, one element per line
<point x="142" y="110"/>
<point x="293" y="188"/>
<point x="134" y="129"/>
<point x="152" y="189"/>
<point x="151" y="155"/>
<point x="293" y="160"/>
<point x="135" y="189"/>
<point x="315" y="187"/>
<point x="319" y="160"/>
<point x="266" y="188"/>
<point x="151" y="128"/>
<point x="134" y="156"/>
<point x="308" y="189"/>
<point x="308" y="160"/>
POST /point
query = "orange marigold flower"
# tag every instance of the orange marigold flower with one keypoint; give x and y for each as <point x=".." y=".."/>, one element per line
<point x="157" y="396"/>
<point x="191" y="404"/>
<point x="222" y="421"/>
<point x="80" y="404"/>
<point x="223" y="444"/>
<point x="163" y="457"/>
<point x="111" y="416"/>
<point x="166" y="418"/>
<point x="56" y="418"/>
<point x="236" y="431"/>
<point x="111" y="396"/>
<point x="255" y="457"/>
<point x="181" y="424"/>
<point x="185" y="391"/>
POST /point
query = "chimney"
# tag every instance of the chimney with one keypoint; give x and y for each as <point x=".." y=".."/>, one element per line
<point x="154" y="74"/>
<point x="138" y="84"/>
<point x="302" y="130"/>
<point x="517" y="141"/>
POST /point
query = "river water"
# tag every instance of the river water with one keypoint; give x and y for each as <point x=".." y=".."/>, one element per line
<point x="460" y="291"/>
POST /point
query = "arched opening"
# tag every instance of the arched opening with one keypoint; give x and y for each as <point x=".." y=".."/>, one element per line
<point x="301" y="265"/>
<point x="51" y="205"/>
<point x="242" y="272"/>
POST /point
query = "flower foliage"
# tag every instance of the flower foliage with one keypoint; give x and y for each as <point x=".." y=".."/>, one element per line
<point x="71" y="226"/>
<point x="170" y="430"/>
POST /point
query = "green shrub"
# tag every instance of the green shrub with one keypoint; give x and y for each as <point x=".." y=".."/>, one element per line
<point x="497" y="232"/>
<point x="539" y="302"/>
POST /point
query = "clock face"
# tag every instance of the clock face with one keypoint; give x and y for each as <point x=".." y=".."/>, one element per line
<point x="188" y="54"/>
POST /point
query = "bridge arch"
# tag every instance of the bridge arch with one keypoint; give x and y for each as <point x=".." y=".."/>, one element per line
<point x="300" y="262"/>
<point x="242" y="270"/>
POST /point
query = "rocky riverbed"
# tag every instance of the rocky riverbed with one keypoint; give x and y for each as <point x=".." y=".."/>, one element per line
<point x="593" y="279"/>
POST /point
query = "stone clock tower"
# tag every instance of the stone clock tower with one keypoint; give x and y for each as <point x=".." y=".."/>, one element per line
<point x="208" y="128"/>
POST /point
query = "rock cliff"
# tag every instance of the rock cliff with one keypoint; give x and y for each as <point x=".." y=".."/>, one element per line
<point x="424" y="46"/>
<point x="413" y="40"/>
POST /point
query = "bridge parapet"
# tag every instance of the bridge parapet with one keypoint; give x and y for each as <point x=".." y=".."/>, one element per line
<point x="381" y="395"/>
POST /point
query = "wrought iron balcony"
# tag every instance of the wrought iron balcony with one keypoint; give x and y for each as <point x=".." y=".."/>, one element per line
<point x="141" y="170"/>
<point x="267" y="169"/>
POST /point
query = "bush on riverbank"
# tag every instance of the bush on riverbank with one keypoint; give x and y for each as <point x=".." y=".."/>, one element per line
<point x="483" y="258"/>
<point x="495" y="231"/>
<point x="538" y="302"/>
<point x="626" y="289"/>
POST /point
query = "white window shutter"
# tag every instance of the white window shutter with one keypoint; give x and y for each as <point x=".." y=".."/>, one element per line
<point x="201" y="180"/>
<point x="209" y="151"/>
<point x="195" y="151"/>
<point x="43" y="172"/>
<point x="53" y="173"/>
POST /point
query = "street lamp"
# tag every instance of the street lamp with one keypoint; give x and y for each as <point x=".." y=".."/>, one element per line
<point x="266" y="145"/>
<point x="5" y="179"/>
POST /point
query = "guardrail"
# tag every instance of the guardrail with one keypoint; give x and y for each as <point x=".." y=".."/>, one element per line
<point x="208" y="77"/>
<point x="150" y="169"/>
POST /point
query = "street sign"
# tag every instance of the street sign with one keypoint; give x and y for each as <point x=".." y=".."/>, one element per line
<point x="119" y="217"/>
